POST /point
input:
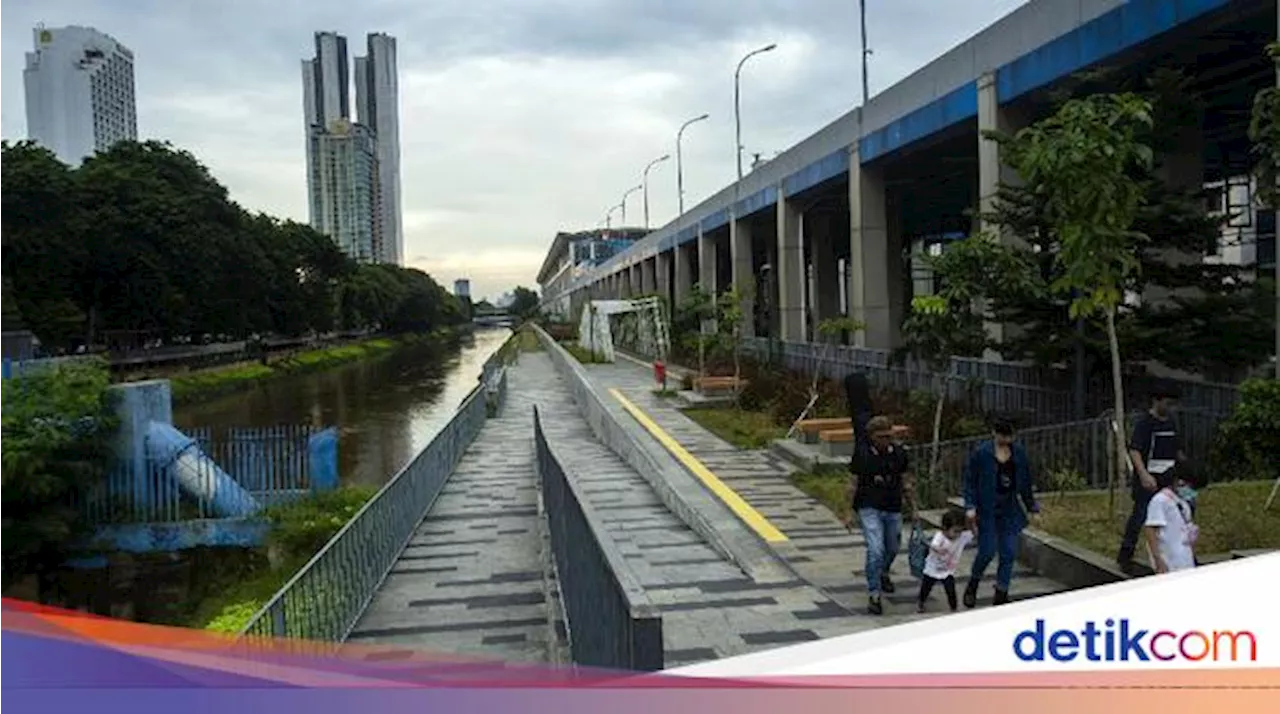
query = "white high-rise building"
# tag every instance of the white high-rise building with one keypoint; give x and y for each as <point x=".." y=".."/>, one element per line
<point x="378" y="107"/>
<point x="80" y="92"/>
<point x="353" y="169"/>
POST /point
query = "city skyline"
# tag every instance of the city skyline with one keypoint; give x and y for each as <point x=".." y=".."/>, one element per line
<point x="353" y="163"/>
<point x="511" y="131"/>
<point x="79" y="92"/>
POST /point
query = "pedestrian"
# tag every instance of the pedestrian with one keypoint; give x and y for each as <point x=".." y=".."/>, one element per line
<point x="1171" y="532"/>
<point x="996" y="477"/>
<point x="881" y="490"/>
<point x="944" y="557"/>
<point x="1155" y="448"/>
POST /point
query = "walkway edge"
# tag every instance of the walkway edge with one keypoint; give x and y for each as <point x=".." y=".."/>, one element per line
<point x="749" y="515"/>
<point x="746" y="551"/>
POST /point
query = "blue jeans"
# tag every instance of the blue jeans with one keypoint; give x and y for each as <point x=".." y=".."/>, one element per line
<point x="992" y="542"/>
<point x="882" y="532"/>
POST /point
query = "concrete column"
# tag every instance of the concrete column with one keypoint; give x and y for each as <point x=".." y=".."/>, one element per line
<point x="791" y="270"/>
<point x="743" y="265"/>
<point x="991" y="170"/>
<point x="647" y="276"/>
<point x="869" y="257"/>
<point x="662" y="275"/>
<point x="137" y="405"/>
<point x="824" y="301"/>
<point x="684" y="272"/>
<point x="635" y="283"/>
<point x="707" y="263"/>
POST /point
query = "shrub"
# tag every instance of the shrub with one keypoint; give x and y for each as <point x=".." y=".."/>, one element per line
<point x="1248" y="442"/>
<point x="301" y="528"/>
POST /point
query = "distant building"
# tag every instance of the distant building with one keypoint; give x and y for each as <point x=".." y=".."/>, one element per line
<point x="462" y="288"/>
<point x="79" y="92"/>
<point x="572" y="253"/>
<point x="353" y="168"/>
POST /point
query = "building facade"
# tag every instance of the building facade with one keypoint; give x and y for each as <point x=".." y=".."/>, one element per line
<point x="353" y="167"/>
<point x="571" y="255"/>
<point x="378" y="107"/>
<point x="80" y="92"/>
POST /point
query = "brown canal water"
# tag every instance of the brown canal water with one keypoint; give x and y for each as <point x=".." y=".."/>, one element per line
<point x="386" y="409"/>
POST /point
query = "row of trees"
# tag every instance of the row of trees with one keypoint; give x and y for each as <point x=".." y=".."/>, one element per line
<point x="1098" y="216"/>
<point x="142" y="239"/>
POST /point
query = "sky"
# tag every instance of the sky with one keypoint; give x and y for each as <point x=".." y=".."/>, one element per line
<point x="518" y="118"/>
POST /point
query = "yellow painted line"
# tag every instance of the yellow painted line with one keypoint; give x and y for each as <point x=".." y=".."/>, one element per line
<point x="740" y="507"/>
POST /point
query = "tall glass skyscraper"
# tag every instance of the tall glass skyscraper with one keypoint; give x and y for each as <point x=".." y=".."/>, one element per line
<point x="353" y="168"/>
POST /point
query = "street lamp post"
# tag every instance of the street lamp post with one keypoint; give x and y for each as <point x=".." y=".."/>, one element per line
<point x="644" y="181"/>
<point x="623" y="205"/>
<point x="862" y="12"/>
<point x="737" y="100"/>
<point x="680" y="161"/>
<point x="608" y="217"/>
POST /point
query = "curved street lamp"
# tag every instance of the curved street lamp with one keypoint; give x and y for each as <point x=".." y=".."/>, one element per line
<point x="644" y="181"/>
<point x="680" y="161"/>
<point x="608" y="217"/>
<point x="623" y="205"/>
<point x="737" y="99"/>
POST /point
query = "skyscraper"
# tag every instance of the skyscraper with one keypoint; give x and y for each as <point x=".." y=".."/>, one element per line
<point x="353" y="168"/>
<point x="79" y="92"/>
<point x="378" y="107"/>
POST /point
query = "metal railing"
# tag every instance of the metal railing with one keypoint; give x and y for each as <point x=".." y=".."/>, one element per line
<point x="326" y="598"/>
<point x="995" y="386"/>
<point x="1067" y="456"/>
<point x="275" y="464"/>
<point x="610" y="621"/>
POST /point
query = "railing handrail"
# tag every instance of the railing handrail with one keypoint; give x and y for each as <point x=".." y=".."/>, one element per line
<point x="476" y="393"/>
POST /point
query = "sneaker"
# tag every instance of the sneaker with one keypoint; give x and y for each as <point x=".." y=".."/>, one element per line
<point x="874" y="607"/>
<point x="1001" y="598"/>
<point x="971" y="594"/>
<point x="886" y="585"/>
<point x="920" y="607"/>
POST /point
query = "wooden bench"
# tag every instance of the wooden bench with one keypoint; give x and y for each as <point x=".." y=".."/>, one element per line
<point x="717" y="385"/>
<point x="839" y="442"/>
<point x="807" y="430"/>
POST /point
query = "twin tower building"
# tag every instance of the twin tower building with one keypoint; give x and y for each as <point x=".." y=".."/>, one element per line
<point x="353" y="163"/>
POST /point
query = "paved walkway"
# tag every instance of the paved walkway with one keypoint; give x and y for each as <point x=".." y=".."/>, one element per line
<point x="471" y="581"/>
<point x="818" y="547"/>
<point x="710" y="607"/>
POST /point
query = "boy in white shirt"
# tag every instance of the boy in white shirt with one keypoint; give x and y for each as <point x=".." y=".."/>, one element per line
<point x="944" y="557"/>
<point x="1171" y="534"/>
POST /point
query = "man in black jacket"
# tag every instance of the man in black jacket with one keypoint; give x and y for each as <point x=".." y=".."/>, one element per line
<point x="1154" y="449"/>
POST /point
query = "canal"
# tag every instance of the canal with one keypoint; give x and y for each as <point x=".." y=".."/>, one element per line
<point x="386" y="409"/>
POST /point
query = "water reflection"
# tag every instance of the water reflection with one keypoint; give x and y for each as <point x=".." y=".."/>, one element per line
<point x="386" y="410"/>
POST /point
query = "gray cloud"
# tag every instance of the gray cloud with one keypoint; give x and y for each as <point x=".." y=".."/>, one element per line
<point x="518" y="117"/>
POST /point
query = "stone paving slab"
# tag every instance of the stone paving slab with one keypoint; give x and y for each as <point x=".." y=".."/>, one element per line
<point x="710" y="607"/>
<point x="471" y="581"/>
<point x="819" y="548"/>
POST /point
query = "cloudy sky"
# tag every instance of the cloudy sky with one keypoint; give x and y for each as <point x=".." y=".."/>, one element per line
<point x="518" y="117"/>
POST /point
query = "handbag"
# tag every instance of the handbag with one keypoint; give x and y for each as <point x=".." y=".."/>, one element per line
<point x="917" y="551"/>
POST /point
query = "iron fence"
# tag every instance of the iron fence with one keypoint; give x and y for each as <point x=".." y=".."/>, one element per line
<point x="1040" y="393"/>
<point x="1070" y="456"/>
<point x="324" y="600"/>
<point x="274" y="464"/>
<point x="610" y="621"/>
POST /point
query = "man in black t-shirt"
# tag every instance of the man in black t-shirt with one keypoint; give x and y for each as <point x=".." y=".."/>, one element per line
<point x="1154" y="449"/>
<point x="881" y="490"/>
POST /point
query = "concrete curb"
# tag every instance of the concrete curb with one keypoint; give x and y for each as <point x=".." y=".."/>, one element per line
<point x="676" y="488"/>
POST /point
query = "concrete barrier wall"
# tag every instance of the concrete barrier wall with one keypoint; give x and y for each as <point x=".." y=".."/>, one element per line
<point x="676" y="488"/>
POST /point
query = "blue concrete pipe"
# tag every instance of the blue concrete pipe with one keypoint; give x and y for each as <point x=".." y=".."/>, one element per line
<point x="196" y="474"/>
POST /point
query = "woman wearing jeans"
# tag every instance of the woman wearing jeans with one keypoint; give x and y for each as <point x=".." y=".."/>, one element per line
<point x="996" y="476"/>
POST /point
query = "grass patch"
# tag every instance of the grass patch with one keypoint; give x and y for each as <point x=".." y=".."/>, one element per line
<point x="217" y="381"/>
<point x="298" y="531"/>
<point x="826" y="484"/>
<point x="744" y="429"/>
<point x="581" y="354"/>
<point x="665" y="393"/>
<point x="1230" y="517"/>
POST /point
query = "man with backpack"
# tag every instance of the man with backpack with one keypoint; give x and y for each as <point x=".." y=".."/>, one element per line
<point x="1154" y="449"/>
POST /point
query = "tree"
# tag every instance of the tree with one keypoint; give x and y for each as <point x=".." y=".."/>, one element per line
<point x="953" y="321"/>
<point x="1183" y="330"/>
<point x="1082" y="159"/>
<point x="1264" y="132"/>
<point x="57" y="425"/>
<point x="524" y="303"/>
